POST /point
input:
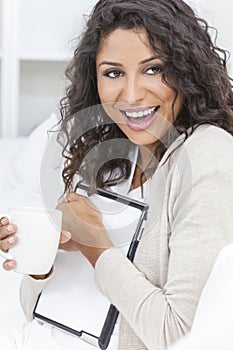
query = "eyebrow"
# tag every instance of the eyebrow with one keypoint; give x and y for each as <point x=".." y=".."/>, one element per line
<point x="115" y="64"/>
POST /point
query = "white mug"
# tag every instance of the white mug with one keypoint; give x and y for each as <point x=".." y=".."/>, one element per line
<point x="38" y="230"/>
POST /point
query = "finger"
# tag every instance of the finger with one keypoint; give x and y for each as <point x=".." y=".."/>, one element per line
<point x="73" y="197"/>
<point x="65" y="236"/>
<point x="4" y="221"/>
<point x="9" y="242"/>
<point x="7" y="230"/>
<point x="69" y="246"/>
<point x="9" y="265"/>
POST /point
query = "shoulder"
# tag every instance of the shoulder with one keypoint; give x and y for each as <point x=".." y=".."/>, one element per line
<point x="210" y="137"/>
<point x="208" y="147"/>
<point x="207" y="153"/>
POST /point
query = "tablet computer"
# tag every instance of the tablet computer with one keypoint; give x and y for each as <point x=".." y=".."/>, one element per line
<point x="71" y="301"/>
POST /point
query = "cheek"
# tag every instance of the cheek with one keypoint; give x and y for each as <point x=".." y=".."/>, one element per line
<point x="161" y="91"/>
<point x="109" y="105"/>
<point x="101" y="91"/>
<point x="166" y="94"/>
<point x="105" y="93"/>
<point x="108" y="90"/>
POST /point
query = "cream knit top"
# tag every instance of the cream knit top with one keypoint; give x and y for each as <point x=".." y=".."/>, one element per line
<point x="190" y="219"/>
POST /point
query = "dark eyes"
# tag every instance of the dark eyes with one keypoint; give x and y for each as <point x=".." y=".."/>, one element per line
<point x="113" y="73"/>
<point x="157" y="69"/>
<point x="117" y="73"/>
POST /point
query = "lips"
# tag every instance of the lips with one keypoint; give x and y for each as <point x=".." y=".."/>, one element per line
<point x="139" y="119"/>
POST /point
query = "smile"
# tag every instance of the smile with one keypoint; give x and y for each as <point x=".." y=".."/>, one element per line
<point x="142" y="113"/>
<point x="140" y="119"/>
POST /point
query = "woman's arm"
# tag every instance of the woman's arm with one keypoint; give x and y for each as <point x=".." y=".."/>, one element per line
<point x="30" y="289"/>
<point x="202" y="225"/>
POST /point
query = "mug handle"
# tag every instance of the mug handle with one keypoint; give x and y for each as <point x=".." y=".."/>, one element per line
<point x="6" y="255"/>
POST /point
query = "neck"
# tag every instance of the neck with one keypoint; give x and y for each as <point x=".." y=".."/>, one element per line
<point x="146" y="157"/>
<point x="145" y="160"/>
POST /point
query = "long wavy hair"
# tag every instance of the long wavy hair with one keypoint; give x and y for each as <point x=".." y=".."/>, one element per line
<point x="192" y="61"/>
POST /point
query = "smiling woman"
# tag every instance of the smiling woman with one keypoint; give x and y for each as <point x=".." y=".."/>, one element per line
<point x="131" y="89"/>
<point x="148" y="113"/>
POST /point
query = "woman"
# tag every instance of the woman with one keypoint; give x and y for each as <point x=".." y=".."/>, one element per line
<point x="161" y="85"/>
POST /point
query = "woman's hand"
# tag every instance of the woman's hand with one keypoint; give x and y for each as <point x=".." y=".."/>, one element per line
<point x="69" y="245"/>
<point x="8" y="239"/>
<point x="84" y="221"/>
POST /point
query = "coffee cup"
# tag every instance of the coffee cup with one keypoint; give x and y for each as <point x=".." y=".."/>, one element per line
<point x="38" y="230"/>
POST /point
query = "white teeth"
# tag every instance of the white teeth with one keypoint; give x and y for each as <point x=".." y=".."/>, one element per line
<point x="141" y="113"/>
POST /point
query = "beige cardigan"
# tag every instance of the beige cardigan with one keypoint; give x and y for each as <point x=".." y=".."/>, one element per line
<point x="190" y="219"/>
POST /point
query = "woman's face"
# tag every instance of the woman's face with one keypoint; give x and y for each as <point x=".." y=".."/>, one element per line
<point x="131" y="89"/>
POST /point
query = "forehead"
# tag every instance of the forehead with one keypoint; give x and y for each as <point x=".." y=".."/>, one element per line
<point x="125" y="43"/>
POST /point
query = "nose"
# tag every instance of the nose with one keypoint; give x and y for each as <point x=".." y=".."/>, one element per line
<point x="132" y="91"/>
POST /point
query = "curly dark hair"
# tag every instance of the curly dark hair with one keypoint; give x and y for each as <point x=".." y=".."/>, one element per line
<point x="193" y="63"/>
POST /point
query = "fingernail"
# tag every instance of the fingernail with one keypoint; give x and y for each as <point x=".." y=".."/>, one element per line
<point x="3" y="220"/>
<point x="9" y="227"/>
<point x="11" y="263"/>
<point x="66" y="233"/>
<point x="11" y="240"/>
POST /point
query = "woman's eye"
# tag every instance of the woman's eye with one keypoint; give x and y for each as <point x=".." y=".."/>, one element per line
<point x="113" y="74"/>
<point x="154" y="70"/>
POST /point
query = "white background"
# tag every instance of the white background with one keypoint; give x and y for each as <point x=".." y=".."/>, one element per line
<point x="36" y="44"/>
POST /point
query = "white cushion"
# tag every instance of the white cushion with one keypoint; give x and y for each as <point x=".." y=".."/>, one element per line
<point x="20" y="166"/>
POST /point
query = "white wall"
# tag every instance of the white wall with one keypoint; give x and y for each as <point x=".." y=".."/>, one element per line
<point x="47" y="30"/>
<point x="36" y="39"/>
<point x="44" y="40"/>
<point x="219" y="14"/>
